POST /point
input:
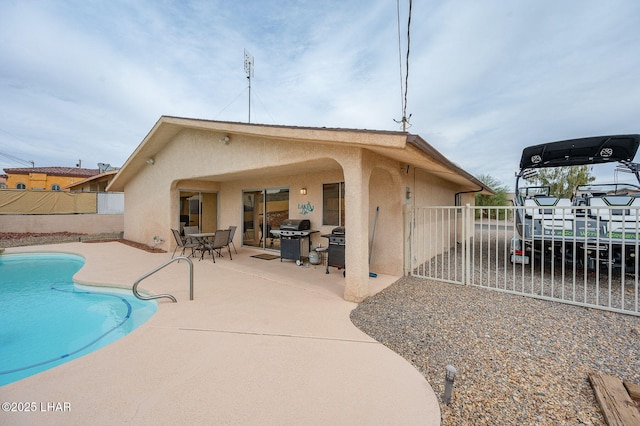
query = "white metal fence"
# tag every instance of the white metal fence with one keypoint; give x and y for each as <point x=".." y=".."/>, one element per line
<point x="473" y="246"/>
<point x="110" y="203"/>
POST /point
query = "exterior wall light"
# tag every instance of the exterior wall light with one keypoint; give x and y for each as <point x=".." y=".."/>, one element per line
<point x="449" y="378"/>
<point x="225" y="140"/>
<point x="151" y="161"/>
<point x="303" y="191"/>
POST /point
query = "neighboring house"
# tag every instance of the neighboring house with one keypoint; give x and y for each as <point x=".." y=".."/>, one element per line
<point x="215" y="174"/>
<point x="46" y="178"/>
<point x="96" y="183"/>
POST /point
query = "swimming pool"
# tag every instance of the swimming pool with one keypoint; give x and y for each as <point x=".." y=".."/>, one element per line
<point x="46" y="320"/>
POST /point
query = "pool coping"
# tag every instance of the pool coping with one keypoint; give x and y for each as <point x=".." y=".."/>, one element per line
<point x="262" y="342"/>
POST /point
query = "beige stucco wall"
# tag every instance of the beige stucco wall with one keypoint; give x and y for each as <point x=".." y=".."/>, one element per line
<point x="197" y="160"/>
<point x="430" y="191"/>
<point x="80" y="223"/>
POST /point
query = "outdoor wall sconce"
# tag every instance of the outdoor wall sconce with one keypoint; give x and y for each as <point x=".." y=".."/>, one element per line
<point x="303" y="191"/>
<point x="225" y="140"/>
<point x="151" y="161"/>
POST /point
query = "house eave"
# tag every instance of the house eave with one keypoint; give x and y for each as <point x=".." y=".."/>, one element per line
<point x="167" y="127"/>
<point x="401" y="146"/>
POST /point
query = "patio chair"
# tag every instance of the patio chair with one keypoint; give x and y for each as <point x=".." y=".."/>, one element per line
<point x="232" y="232"/>
<point x="191" y="230"/>
<point x="220" y="241"/>
<point x="183" y="243"/>
<point x="191" y="240"/>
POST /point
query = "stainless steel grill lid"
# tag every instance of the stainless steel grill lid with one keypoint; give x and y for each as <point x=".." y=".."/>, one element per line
<point x="295" y="225"/>
<point x="339" y="231"/>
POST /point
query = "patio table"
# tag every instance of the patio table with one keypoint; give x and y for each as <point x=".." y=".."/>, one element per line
<point x="202" y="238"/>
<point x="202" y="235"/>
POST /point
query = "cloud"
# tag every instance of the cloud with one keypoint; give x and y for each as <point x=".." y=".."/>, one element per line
<point x="89" y="79"/>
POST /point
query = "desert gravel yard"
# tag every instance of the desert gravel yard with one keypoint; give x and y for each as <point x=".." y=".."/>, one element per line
<point x="519" y="361"/>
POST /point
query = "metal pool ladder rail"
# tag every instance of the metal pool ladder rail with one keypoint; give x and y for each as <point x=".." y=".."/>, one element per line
<point x="158" y="296"/>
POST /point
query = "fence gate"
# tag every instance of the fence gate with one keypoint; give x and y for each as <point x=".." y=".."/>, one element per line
<point x="473" y="246"/>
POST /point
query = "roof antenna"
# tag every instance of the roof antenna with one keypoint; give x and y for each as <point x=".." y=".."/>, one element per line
<point x="248" y="69"/>
<point x="403" y="96"/>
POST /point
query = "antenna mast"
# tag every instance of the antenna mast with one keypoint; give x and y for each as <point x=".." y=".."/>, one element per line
<point x="248" y="69"/>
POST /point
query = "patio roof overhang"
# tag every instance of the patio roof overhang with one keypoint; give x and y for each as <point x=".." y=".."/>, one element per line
<point x="403" y="147"/>
<point x="100" y="177"/>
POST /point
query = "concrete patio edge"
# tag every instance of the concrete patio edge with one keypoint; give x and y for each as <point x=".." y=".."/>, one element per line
<point x="262" y="342"/>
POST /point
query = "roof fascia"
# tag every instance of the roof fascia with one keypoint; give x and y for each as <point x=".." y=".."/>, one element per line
<point x="296" y="133"/>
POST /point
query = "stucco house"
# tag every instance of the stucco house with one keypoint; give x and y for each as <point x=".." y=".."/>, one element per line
<point x="214" y="174"/>
<point x="52" y="178"/>
<point x="95" y="183"/>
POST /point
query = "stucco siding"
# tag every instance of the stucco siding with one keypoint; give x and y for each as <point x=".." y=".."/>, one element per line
<point x="387" y="195"/>
<point x="228" y="158"/>
<point x="147" y="194"/>
<point x="430" y="190"/>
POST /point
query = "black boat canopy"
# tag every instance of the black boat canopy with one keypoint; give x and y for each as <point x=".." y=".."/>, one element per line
<point x="576" y="152"/>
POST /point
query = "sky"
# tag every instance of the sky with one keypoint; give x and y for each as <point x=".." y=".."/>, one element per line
<point x="87" y="80"/>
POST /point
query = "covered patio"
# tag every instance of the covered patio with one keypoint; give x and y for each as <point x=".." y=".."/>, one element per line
<point x="263" y="342"/>
<point x="333" y="177"/>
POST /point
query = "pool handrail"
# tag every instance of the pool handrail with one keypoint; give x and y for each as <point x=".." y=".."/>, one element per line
<point x="158" y="296"/>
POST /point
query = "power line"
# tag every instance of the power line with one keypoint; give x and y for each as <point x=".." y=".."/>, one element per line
<point x="404" y="86"/>
<point x="13" y="158"/>
<point x="406" y="81"/>
<point x="18" y="160"/>
<point x="400" y="55"/>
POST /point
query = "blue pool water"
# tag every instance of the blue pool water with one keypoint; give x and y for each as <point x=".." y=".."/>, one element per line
<point x="45" y="320"/>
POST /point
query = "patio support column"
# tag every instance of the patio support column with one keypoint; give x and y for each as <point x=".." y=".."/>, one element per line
<point x="356" y="177"/>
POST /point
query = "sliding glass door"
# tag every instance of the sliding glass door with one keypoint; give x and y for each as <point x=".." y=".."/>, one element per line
<point x="199" y="209"/>
<point x="264" y="210"/>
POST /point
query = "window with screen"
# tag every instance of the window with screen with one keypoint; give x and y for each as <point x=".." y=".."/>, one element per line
<point x="333" y="204"/>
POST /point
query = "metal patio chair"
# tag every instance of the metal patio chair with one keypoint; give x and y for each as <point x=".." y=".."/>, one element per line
<point x="183" y="243"/>
<point x="220" y="241"/>
<point x="232" y="232"/>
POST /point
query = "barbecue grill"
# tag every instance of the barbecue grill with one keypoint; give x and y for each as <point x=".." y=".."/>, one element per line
<point x="295" y="241"/>
<point x="335" y="250"/>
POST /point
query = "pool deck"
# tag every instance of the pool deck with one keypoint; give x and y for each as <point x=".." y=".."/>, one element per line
<point x="263" y="342"/>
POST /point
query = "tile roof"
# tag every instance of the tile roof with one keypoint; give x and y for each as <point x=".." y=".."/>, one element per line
<point x="105" y="176"/>
<point x="54" y="171"/>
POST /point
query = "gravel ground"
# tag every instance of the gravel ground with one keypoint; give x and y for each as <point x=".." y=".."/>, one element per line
<point x="11" y="239"/>
<point x="14" y="239"/>
<point x="519" y="361"/>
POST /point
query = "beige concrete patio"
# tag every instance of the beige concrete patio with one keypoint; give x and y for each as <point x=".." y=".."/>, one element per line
<point x="263" y="342"/>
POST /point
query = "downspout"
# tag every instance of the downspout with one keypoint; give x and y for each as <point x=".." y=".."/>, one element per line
<point x="455" y="199"/>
